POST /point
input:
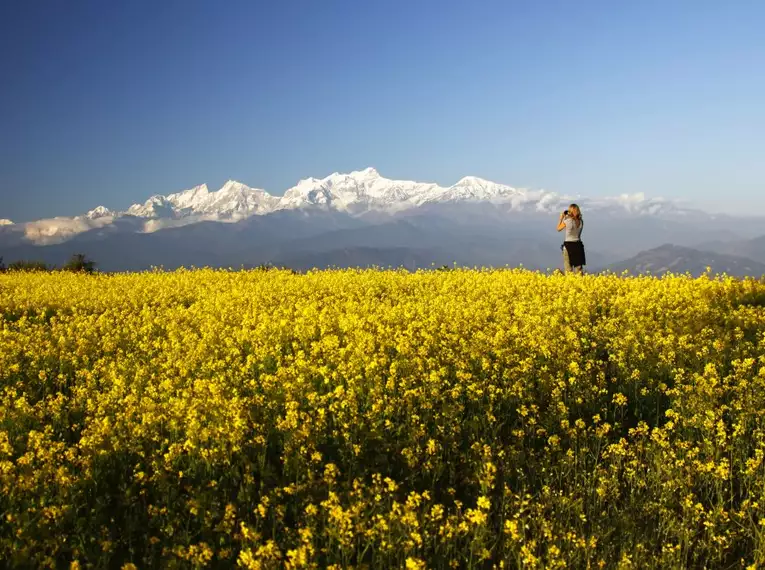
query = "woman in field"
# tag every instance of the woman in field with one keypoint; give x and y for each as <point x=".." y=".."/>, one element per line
<point x="573" y="248"/>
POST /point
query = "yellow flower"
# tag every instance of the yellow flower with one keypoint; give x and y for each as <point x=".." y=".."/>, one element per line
<point x="289" y="418"/>
<point x="415" y="564"/>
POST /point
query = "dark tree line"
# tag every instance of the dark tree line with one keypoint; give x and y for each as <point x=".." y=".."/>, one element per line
<point x="78" y="263"/>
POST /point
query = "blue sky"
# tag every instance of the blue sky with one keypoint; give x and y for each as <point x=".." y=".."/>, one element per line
<point x="111" y="102"/>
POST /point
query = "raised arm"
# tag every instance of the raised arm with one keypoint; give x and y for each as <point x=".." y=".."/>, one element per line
<point x="561" y="223"/>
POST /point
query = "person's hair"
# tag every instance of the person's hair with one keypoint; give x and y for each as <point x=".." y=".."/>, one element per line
<point x="575" y="212"/>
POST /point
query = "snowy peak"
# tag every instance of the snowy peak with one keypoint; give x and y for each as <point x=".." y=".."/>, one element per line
<point x="155" y="207"/>
<point x="474" y="188"/>
<point x="359" y="191"/>
<point x="473" y="181"/>
<point x="366" y="174"/>
<point x="365" y="190"/>
<point x="233" y="186"/>
<point x="99" y="212"/>
<point x="189" y="198"/>
<point x="172" y="205"/>
<point x="236" y="200"/>
<point x="355" y="193"/>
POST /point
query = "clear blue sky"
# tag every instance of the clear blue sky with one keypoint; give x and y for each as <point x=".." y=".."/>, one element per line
<point x="110" y="102"/>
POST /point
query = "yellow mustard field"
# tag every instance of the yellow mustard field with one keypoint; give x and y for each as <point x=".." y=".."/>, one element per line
<point x="381" y="419"/>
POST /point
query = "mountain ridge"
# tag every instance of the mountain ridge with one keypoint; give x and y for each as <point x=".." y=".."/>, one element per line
<point x="364" y="218"/>
<point x="677" y="259"/>
<point x="360" y="192"/>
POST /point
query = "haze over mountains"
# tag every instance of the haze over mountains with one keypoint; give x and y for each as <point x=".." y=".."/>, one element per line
<point x="362" y="219"/>
<point x="677" y="259"/>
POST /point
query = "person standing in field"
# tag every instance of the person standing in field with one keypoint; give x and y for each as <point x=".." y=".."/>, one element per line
<point x="573" y="248"/>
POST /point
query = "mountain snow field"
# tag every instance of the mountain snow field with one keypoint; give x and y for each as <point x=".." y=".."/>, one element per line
<point x="358" y="193"/>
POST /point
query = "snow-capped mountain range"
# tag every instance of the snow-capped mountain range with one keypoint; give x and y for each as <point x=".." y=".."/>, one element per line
<point x="358" y="193"/>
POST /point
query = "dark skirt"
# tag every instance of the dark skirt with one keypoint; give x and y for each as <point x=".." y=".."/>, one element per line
<point x="575" y="253"/>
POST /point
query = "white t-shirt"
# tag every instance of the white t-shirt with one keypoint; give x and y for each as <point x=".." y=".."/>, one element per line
<point x="573" y="231"/>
